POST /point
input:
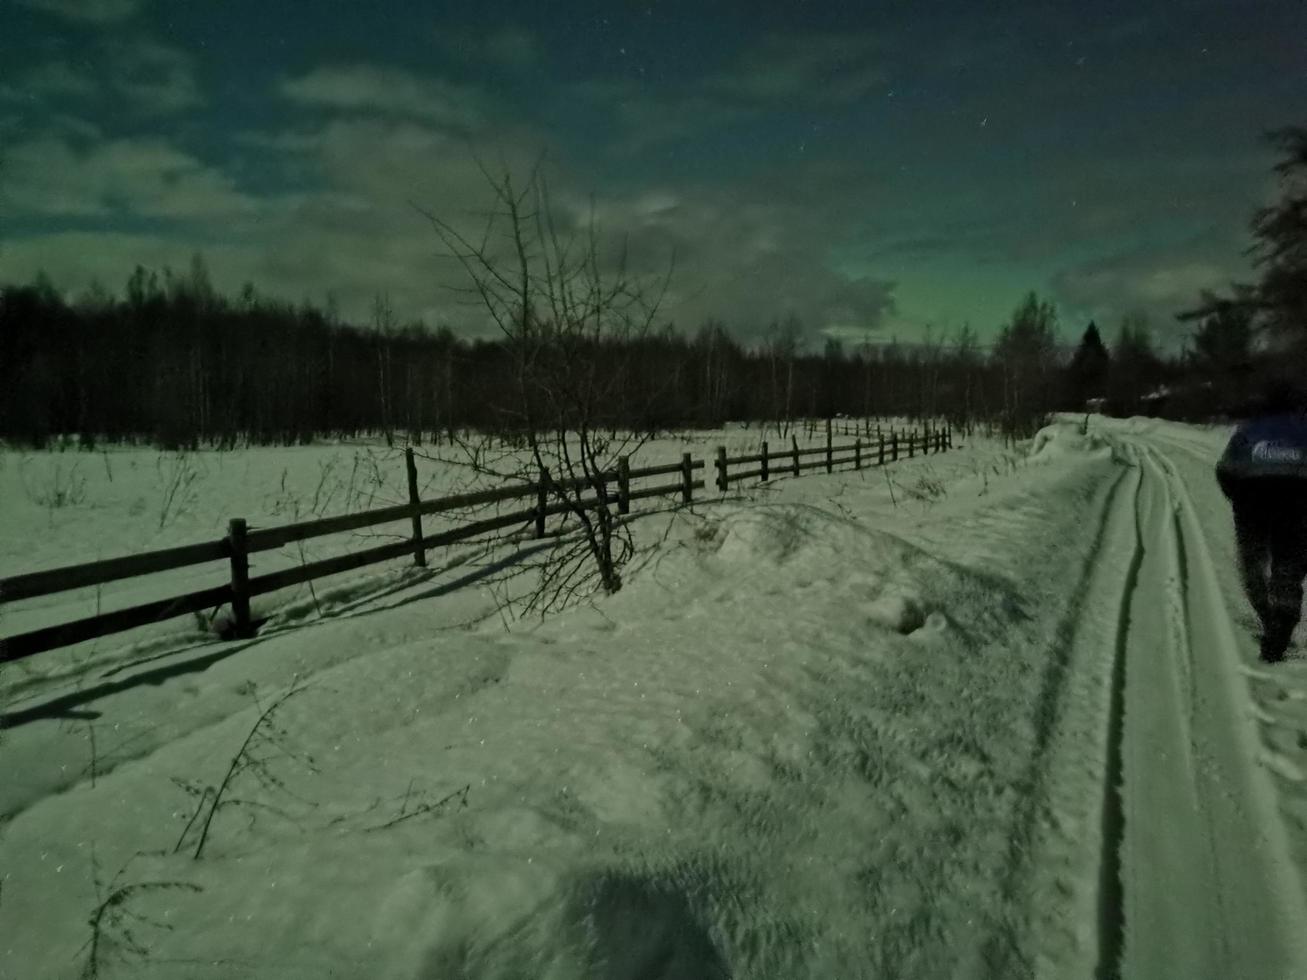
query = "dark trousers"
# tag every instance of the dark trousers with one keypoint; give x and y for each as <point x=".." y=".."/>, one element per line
<point x="1270" y="526"/>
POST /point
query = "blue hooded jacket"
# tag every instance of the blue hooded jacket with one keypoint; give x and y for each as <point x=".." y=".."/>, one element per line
<point x="1270" y="446"/>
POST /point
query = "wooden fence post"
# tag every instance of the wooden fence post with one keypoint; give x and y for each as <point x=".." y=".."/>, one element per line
<point x="894" y="446"/>
<point x="721" y="469"/>
<point x="912" y="443"/>
<point x="857" y="453"/>
<point x="765" y="471"/>
<point x="542" y="501"/>
<point x="880" y="447"/>
<point x="687" y="478"/>
<point x="794" y="442"/>
<point x="829" y="465"/>
<point x="624" y="485"/>
<point x="419" y="553"/>
<point x="240" y="579"/>
<point x="948" y="437"/>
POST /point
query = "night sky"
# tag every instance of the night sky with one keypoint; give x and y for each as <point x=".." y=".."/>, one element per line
<point x="876" y="169"/>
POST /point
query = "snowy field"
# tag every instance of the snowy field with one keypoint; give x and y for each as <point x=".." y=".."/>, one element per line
<point x="986" y="714"/>
<point x="66" y="508"/>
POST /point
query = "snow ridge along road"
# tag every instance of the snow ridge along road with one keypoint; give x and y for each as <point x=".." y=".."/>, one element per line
<point x="1205" y="877"/>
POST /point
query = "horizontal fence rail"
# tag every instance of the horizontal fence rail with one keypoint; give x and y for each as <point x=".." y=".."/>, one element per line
<point x="793" y="459"/>
<point x="36" y="584"/>
<point x="66" y="634"/>
<point x="612" y="487"/>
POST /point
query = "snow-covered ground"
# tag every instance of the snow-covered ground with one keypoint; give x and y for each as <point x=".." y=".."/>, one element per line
<point x="980" y="714"/>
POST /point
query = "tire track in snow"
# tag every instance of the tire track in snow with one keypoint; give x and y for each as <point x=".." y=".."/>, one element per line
<point x="1050" y="875"/>
<point x="1111" y="904"/>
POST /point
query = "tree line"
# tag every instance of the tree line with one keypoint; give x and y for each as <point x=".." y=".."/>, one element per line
<point x="177" y="364"/>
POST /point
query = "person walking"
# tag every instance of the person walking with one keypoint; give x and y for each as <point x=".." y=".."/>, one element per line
<point x="1263" y="473"/>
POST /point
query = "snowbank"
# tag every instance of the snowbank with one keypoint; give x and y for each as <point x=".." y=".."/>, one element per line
<point x="1066" y="438"/>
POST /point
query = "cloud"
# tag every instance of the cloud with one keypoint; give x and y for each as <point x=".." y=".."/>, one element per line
<point x="805" y="69"/>
<point x="16" y="128"/>
<point x="73" y="259"/>
<point x="143" y="75"/>
<point x="149" y="177"/>
<point x="354" y="231"/>
<point x="743" y="256"/>
<point x="508" y="47"/>
<point x="1159" y="285"/>
<point x="924" y="246"/>
<point x="752" y="253"/>
<point x="393" y="161"/>
<point x="749" y="255"/>
<point x="58" y="79"/>
<point x="513" y="47"/>
<point x="87" y="11"/>
<point x="817" y="72"/>
<point x="387" y="91"/>
<point x="152" y="76"/>
<point x="653" y="121"/>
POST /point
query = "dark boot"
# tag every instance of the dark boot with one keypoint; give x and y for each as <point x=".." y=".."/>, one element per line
<point x="1282" y="523"/>
<point x="1274" y="646"/>
<point x="1276" y="636"/>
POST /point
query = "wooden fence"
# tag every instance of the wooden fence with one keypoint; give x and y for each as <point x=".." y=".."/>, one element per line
<point x="242" y="540"/>
<point x="885" y="448"/>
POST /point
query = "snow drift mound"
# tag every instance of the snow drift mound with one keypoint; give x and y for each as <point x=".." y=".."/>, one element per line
<point x="1067" y="439"/>
<point x="774" y="535"/>
<point x="817" y="559"/>
<point x="580" y="926"/>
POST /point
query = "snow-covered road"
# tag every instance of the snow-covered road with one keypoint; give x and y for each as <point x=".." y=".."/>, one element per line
<point x="975" y="716"/>
<point x="1206" y="884"/>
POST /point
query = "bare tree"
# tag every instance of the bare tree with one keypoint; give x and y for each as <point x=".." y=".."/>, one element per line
<point x="383" y="323"/>
<point x="783" y="340"/>
<point x="569" y="316"/>
<point x="1026" y="356"/>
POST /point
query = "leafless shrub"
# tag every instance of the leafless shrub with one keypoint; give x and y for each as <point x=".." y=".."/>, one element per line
<point x="265" y="742"/>
<point x="176" y="474"/>
<point x="413" y="806"/>
<point x="563" y="308"/>
<point x="927" y="488"/>
<point x="115" y="925"/>
<point x="59" y="486"/>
